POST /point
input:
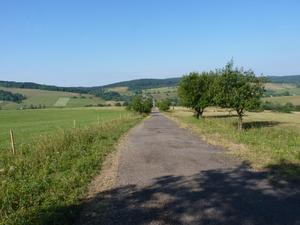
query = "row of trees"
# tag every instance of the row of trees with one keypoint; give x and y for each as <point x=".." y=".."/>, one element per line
<point x="227" y="88"/>
<point x="13" y="97"/>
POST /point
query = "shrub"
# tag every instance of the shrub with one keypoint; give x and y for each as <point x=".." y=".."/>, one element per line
<point x="164" y="105"/>
<point x="140" y="104"/>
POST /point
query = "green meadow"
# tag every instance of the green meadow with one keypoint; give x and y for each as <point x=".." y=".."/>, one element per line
<point x="29" y="124"/>
<point x="54" y="162"/>
<point x="50" y="99"/>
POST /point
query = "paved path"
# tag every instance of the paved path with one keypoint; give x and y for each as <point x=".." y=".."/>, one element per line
<point x="168" y="176"/>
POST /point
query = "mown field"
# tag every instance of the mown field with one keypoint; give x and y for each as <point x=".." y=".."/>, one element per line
<point x="270" y="141"/>
<point x="50" y="99"/>
<point x="54" y="162"/>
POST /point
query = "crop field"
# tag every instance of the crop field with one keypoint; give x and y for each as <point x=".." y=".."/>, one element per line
<point x="162" y="93"/>
<point x="49" y="98"/>
<point x="280" y="88"/>
<point x="269" y="139"/>
<point x="284" y="99"/>
<point x="54" y="162"/>
<point x="121" y="90"/>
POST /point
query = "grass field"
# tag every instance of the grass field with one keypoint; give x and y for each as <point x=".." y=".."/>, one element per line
<point x="270" y="141"/>
<point x="44" y="181"/>
<point x="28" y="124"/>
<point x="49" y="98"/>
<point x="284" y="99"/>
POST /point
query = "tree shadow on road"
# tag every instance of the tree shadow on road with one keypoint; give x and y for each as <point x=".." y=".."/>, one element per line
<point x="232" y="196"/>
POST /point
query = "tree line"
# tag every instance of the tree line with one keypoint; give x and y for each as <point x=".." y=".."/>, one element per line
<point x="228" y="87"/>
<point x="13" y="97"/>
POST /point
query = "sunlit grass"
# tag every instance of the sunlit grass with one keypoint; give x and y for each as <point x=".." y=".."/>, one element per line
<point x="44" y="181"/>
<point x="268" y="138"/>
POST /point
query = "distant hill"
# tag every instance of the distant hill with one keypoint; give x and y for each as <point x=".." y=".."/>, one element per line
<point x="122" y="91"/>
<point x="132" y="85"/>
<point x="142" y="84"/>
<point x="31" y="85"/>
<point x="292" y="79"/>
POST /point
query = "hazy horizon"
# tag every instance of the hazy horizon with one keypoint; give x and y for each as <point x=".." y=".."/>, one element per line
<point x="96" y="43"/>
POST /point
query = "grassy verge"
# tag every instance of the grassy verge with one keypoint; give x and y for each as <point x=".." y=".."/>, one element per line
<point x="42" y="184"/>
<point x="269" y="141"/>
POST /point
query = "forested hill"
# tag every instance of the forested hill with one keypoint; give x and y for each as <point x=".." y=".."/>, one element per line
<point x="285" y="79"/>
<point x="133" y="85"/>
<point x="30" y="85"/>
<point x="146" y="83"/>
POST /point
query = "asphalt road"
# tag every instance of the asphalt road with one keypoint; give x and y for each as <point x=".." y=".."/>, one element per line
<point x="166" y="175"/>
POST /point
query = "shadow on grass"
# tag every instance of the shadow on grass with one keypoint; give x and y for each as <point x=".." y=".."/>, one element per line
<point x="285" y="170"/>
<point x="220" y="116"/>
<point x="260" y="124"/>
<point x="228" y="196"/>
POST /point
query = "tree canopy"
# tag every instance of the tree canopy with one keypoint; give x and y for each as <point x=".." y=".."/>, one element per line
<point x="195" y="91"/>
<point x="238" y="89"/>
<point x="140" y="104"/>
<point x="13" y="97"/>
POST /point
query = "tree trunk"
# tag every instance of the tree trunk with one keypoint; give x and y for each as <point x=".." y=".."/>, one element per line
<point x="199" y="113"/>
<point x="240" y="123"/>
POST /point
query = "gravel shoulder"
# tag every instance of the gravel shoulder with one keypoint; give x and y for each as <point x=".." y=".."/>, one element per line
<point x="163" y="174"/>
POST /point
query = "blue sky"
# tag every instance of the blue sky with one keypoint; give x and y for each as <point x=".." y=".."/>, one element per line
<point x="98" y="42"/>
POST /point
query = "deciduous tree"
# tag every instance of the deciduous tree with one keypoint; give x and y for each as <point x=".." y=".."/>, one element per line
<point x="195" y="91"/>
<point x="240" y="90"/>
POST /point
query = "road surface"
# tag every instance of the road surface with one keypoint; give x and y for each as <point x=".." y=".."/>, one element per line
<point x="166" y="175"/>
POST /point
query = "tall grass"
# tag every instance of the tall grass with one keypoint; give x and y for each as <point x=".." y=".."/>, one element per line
<point x="43" y="182"/>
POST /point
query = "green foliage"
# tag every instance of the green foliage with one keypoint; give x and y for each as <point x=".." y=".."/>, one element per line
<point x="238" y="89"/>
<point x="196" y="91"/>
<point x="108" y="95"/>
<point x="44" y="181"/>
<point x="164" y="105"/>
<point x="13" y="97"/>
<point x="140" y="104"/>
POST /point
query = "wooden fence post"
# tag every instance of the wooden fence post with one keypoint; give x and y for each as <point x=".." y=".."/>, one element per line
<point x="74" y="124"/>
<point x="12" y="142"/>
